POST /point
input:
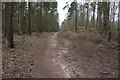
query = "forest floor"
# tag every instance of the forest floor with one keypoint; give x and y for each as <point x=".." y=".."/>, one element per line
<point x="68" y="54"/>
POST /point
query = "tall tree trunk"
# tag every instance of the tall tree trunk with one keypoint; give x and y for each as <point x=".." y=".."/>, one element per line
<point x="99" y="16"/>
<point x="22" y="16"/>
<point x="1" y="30"/>
<point x="29" y="20"/>
<point x="94" y="6"/>
<point x="100" y="20"/>
<point x="119" y="26"/>
<point x="6" y="20"/>
<point x="76" y="16"/>
<point x="87" y="19"/>
<point x="106" y="8"/>
<point x="113" y="22"/>
<point x="119" y="36"/>
<point x="19" y="18"/>
<point x="40" y="16"/>
<point x="108" y="22"/>
<point x="10" y="26"/>
<point x="104" y="17"/>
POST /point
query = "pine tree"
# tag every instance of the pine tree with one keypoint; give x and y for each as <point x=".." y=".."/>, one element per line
<point x="87" y="17"/>
<point x="76" y="16"/>
<point x="29" y="19"/>
<point x="119" y="25"/>
<point x="94" y="6"/>
<point x="40" y="16"/>
<point x="10" y="26"/>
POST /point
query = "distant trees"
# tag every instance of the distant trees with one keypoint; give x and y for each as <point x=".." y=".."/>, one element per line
<point x="95" y="14"/>
<point x="20" y="15"/>
<point x="28" y="17"/>
<point x="73" y="11"/>
<point x="43" y="17"/>
<point x="82" y="16"/>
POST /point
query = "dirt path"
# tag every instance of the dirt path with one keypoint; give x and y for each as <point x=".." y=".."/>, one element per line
<point x="86" y="56"/>
<point x="44" y="66"/>
<point x="64" y="55"/>
<point x="70" y="55"/>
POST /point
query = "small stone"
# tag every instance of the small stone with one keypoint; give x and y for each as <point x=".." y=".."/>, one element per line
<point x="31" y="64"/>
<point x="74" y="46"/>
<point x="105" y="73"/>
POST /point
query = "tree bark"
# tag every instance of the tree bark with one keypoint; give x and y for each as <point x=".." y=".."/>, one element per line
<point x="19" y="19"/>
<point x="104" y="17"/>
<point x="99" y="17"/>
<point x="6" y="19"/>
<point x="40" y="16"/>
<point x="29" y="20"/>
<point x="10" y="26"/>
<point x="22" y="17"/>
<point x="113" y="22"/>
<point x="94" y="6"/>
<point x="108" y="22"/>
<point x="106" y="8"/>
<point x="87" y="20"/>
<point x="76" y="16"/>
<point x="119" y="26"/>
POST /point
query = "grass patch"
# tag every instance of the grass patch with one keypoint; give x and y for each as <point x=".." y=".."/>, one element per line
<point x="20" y="53"/>
<point x="80" y="27"/>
